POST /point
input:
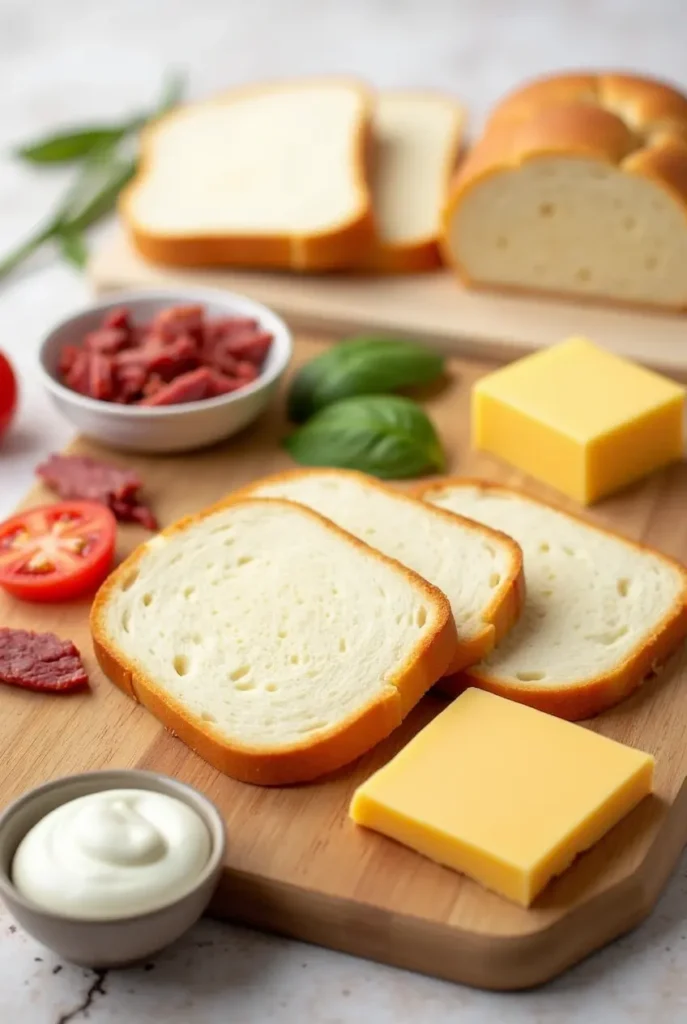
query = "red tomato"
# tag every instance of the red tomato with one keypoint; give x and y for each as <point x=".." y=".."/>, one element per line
<point x="8" y="394"/>
<point x="57" y="552"/>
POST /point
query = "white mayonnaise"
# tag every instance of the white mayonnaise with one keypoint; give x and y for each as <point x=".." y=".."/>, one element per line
<point x="112" y="854"/>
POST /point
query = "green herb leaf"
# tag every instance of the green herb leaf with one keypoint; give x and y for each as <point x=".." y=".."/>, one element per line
<point x="386" y="435"/>
<point x="25" y="249"/>
<point x="362" y="366"/>
<point x="73" y="247"/>
<point x="107" y="165"/>
<point x="68" y="146"/>
<point x="94" y="193"/>
<point x="75" y="144"/>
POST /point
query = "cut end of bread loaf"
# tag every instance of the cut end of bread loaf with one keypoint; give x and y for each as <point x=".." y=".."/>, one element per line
<point x="578" y="186"/>
<point x="601" y="612"/>
<point x="265" y="176"/>
<point x="274" y="644"/>
<point x="478" y="569"/>
<point x="416" y="139"/>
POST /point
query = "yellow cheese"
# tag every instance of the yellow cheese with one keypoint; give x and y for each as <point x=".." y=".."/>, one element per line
<point x="503" y="793"/>
<point x="579" y="418"/>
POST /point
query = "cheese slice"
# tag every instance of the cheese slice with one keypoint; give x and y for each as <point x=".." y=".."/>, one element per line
<point x="579" y="418"/>
<point x="503" y="793"/>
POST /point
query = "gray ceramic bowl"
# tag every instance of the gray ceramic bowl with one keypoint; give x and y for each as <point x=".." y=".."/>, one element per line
<point x="107" y="943"/>
<point x="170" y="428"/>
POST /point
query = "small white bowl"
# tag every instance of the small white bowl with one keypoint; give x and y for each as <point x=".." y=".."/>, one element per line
<point x="171" y="428"/>
<point x="127" y="940"/>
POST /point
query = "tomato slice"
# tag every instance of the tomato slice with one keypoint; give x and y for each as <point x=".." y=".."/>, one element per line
<point x="57" y="552"/>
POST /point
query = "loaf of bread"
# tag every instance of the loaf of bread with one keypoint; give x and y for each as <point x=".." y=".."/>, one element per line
<point x="601" y="612"/>
<point x="578" y="186"/>
<point x="477" y="568"/>
<point x="274" y="644"/>
<point x="416" y="138"/>
<point x="270" y="176"/>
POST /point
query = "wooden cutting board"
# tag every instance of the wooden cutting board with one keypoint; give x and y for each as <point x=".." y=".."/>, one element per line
<point x="433" y="307"/>
<point x="295" y="862"/>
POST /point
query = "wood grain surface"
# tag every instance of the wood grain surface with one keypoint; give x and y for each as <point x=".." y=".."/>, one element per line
<point x="434" y="307"/>
<point x="295" y="863"/>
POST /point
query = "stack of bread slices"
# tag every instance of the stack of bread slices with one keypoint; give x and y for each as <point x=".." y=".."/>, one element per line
<point x="577" y="186"/>
<point x="287" y="630"/>
<point x="307" y="175"/>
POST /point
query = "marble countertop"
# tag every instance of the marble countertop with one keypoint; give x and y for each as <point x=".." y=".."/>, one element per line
<point x="81" y="60"/>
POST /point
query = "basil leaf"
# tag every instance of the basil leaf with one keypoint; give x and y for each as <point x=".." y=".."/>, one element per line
<point x="73" y="247"/>
<point x="362" y="366"/>
<point x="386" y="435"/>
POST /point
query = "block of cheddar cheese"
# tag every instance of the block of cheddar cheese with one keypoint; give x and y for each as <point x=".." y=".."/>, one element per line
<point x="579" y="418"/>
<point x="503" y="793"/>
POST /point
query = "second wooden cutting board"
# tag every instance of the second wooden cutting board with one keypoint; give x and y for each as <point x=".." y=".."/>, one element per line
<point x="431" y="307"/>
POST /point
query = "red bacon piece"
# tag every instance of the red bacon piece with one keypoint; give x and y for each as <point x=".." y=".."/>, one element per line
<point x="131" y="363"/>
<point x="189" y="387"/>
<point x="101" y="378"/>
<point x="40" y="661"/>
<point x="107" y="341"/>
<point x="80" y="477"/>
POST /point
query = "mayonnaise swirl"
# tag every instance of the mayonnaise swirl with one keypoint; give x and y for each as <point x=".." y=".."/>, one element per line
<point x="112" y="854"/>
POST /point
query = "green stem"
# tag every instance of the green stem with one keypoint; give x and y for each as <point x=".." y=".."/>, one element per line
<point x="26" y="249"/>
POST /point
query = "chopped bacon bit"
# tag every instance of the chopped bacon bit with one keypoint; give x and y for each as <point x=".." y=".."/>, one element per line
<point x="129" y="363"/>
<point x="132" y="512"/>
<point x="78" y="375"/>
<point x="118" y="318"/>
<point x="101" y="377"/>
<point x="220" y="384"/>
<point x="68" y="356"/>
<point x="189" y="387"/>
<point x="80" y="477"/>
<point x="107" y="341"/>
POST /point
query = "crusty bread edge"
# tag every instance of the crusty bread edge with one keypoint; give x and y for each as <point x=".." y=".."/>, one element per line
<point x="336" y="248"/>
<point x="419" y="254"/>
<point x="663" y="164"/>
<point x="509" y="596"/>
<point x="308" y="759"/>
<point x="580" y="700"/>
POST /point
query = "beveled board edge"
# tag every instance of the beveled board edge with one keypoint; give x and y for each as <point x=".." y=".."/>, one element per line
<point x="509" y="963"/>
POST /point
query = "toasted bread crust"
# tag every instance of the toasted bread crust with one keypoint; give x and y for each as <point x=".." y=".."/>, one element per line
<point x="306" y="760"/>
<point x="509" y="596"/>
<point x="636" y="124"/>
<point x="334" y="249"/>
<point x="598" y="693"/>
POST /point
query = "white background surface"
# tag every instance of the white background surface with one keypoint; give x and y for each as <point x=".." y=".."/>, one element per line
<point x="79" y="60"/>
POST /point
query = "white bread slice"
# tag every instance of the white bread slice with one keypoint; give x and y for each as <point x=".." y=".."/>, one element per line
<point x="272" y="175"/>
<point x="416" y="138"/>
<point x="601" y="612"/>
<point x="578" y="186"/>
<point x="274" y="644"/>
<point x="478" y="569"/>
